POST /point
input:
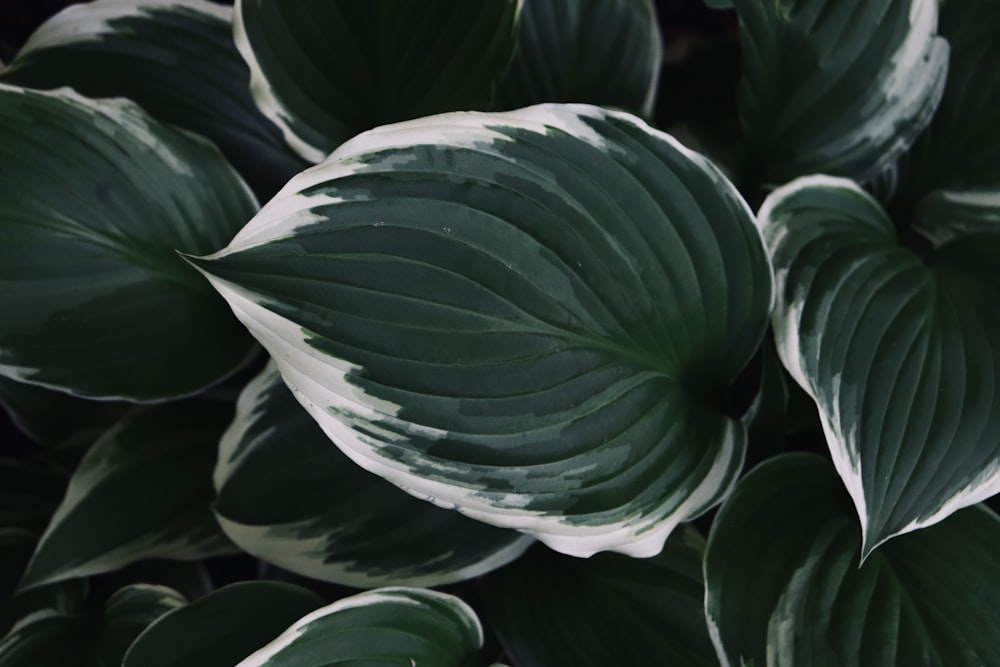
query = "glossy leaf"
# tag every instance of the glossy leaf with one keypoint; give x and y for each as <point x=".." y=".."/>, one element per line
<point x="325" y="70"/>
<point x="175" y="58"/>
<point x="900" y="353"/>
<point x="604" y="52"/>
<point x="289" y="497"/>
<point x="223" y="627"/>
<point x="387" y="626"/>
<point x="551" y="610"/>
<point x="531" y="316"/>
<point x="128" y="612"/>
<point x="142" y="491"/>
<point x="839" y="88"/>
<point x="98" y="189"/>
<point x="789" y="592"/>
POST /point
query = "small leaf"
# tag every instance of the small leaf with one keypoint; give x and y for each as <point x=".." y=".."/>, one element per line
<point x="604" y="52"/>
<point x="45" y="638"/>
<point x="223" y="627"/>
<point x="98" y="189"/>
<point x="789" y="592"/>
<point x="176" y="59"/>
<point x="142" y="491"/>
<point x="387" y="626"/>
<point x="901" y="354"/>
<point x="551" y="610"/>
<point x="289" y="497"/>
<point x="530" y="316"/>
<point x="840" y="88"/>
<point x="128" y="612"/>
<point x="325" y="70"/>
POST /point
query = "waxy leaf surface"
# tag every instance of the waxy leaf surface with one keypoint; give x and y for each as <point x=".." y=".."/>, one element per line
<point x="900" y="352"/>
<point x="531" y="316"/>
<point x="784" y="588"/>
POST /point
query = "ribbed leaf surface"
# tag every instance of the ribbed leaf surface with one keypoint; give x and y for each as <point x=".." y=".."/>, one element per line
<point x="784" y="588"/>
<point x="288" y="496"/>
<point x="836" y="87"/>
<point x="532" y="316"/>
<point x="95" y="200"/>
<point x="177" y="59"/>
<point x="900" y="353"/>
<point x="324" y="70"/>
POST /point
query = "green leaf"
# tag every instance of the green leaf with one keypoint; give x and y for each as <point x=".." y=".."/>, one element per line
<point x="31" y="408"/>
<point x="531" y="316"/>
<point x="176" y="59"/>
<point x="900" y="353"/>
<point x="289" y="497"/>
<point x="45" y="638"/>
<point x="223" y="627"/>
<point x="839" y="88"/>
<point x="96" y="189"/>
<point x="128" y="612"/>
<point x="604" y="52"/>
<point x="388" y="626"/>
<point x="142" y="491"/>
<point x="551" y="610"/>
<point x="325" y="70"/>
<point x="784" y="587"/>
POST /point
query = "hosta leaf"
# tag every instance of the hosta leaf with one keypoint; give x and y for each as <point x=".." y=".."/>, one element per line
<point x="900" y="353"/>
<point x="531" y="316"/>
<point x="128" y="612"/>
<point x="289" y="497"/>
<point x="96" y="189"/>
<point x="551" y="610"/>
<point x="177" y="59"/>
<point x="45" y="638"/>
<point x="836" y="87"/>
<point x="387" y="626"/>
<point x="604" y="52"/>
<point x="142" y="491"/>
<point x="784" y="587"/>
<point x="325" y="70"/>
<point x="223" y="627"/>
<point x="31" y="408"/>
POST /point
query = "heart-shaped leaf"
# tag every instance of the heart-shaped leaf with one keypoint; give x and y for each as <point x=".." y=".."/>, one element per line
<point x="604" y="52"/>
<point x="325" y="70"/>
<point x="551" y="610"/>
<point x="288" y="496"/>
<point x="784" y="588"/>
<point x="388" y="626"/>
<point x="97" y="189"/>
<point x="836" y="87"/>
<point x="531" y="316"/>
<point x="142" y="491"/>
<point x="901" y="353"/>
<point x="176" y="59"/>
<point x="222" y="627"/>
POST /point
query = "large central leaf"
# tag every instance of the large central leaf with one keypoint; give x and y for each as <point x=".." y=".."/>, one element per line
<point x="533" y="316"/>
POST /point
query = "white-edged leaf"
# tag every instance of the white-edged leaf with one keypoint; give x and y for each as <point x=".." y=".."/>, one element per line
<point x="532" y="317"/>
<point x="129" y="611"/>
<point x="96" y="198"/>
<point x="900" y="352"/>
<point x="386" y="626"/>
<point x="142" y="491"/>
<point x="325" y="70"/>
<point x="836" y="87"/>
<point x="784" y="589"/>
<point x="285" y="494"/>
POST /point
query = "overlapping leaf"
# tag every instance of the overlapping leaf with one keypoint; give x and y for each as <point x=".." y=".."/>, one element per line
<point x="532" y="316"/>
<point x="177" y="59"/>
<point x="900" y="353"/>
<point x="789" y="592"/>
<point x="325" y="70"/>
<point x="604" y="52"/>
<point x="387" y="626"/>
<point x="551" y="610"/>
<point x="288" y="496"/>
<point x="128" y="612"/>
<point x="95" y="199"/>
<point x="836" y="87"/>
<point x="142" y="491"/>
